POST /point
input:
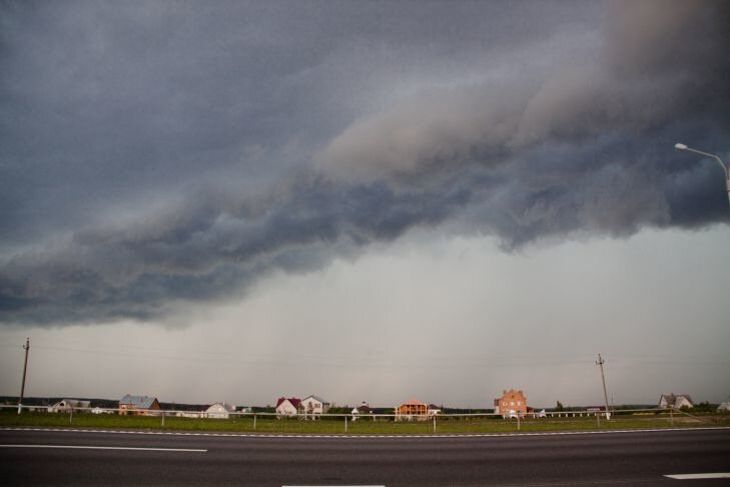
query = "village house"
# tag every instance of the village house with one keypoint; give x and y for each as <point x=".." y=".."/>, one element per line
<point x="66" y="405"/>
<point x="434" y="410"/>
<point x="675" y="401"/>
<point x="139" y="405"/>
<point x="512" y="403"/>
<point x="314" y="406"/>
<point x="219" y="410"/>
<point x="411" y="410"/>
<point x="291" y="406"/>
<point x="363" y="408"/>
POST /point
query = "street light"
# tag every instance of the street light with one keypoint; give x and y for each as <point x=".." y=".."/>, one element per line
<point x="679" y="146"/>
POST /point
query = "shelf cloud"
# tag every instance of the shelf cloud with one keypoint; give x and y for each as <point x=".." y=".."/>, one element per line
<point x="151" y="156"/>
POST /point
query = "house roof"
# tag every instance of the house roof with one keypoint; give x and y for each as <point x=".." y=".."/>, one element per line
<point x="76" y="403"/>
<point x="413" y="402"/>
<point x="673" y="398"/>
<point x="142" y="402"/>
<point x="316" y="398"/>
<point x="512" y="392"/>
<point x="224" y="405"/>
<point x="293" y="400"/>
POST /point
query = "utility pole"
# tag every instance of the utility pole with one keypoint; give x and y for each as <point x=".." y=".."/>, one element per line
<point x="603" y="379"/>
<point x="25" y="369"/>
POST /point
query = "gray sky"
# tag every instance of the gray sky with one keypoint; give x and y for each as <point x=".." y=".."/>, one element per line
<point x="364" y="200"/>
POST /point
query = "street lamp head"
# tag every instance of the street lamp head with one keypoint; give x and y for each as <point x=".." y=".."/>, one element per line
<point x="679" y="146"/>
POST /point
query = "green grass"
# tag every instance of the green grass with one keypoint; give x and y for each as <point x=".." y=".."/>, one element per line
<point x="363" y="426"/>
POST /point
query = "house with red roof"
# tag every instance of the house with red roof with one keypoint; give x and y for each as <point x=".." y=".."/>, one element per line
<point x="288" y="406"/>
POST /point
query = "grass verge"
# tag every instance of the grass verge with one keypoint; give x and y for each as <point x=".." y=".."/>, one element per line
<point x="451" y="425"/>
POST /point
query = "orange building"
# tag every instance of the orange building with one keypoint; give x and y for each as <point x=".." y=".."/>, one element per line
<point x="512" y="402"/>
<point x="411" y="410"/>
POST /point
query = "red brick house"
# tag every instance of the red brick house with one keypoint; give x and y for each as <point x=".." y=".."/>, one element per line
<point x="411" y="410"/>
<point x="512" y="402"/>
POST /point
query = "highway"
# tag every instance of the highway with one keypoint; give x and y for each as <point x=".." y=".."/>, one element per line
<point x="43" y="457"/>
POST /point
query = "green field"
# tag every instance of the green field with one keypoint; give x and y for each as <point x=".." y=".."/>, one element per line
<point x="443" y="425"/>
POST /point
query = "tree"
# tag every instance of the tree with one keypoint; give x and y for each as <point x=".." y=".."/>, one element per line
<point x="559" y="406"/>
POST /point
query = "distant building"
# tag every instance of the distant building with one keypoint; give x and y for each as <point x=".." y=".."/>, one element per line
<point x="139" y="405"/>
<point x="725" y="406"/>
<point x="220" y="410"/>
<point x="290" y="406"/>
<point x="411" y="410"/>
<point x="512" y="403"/>
<point x="66" y="405"/>
<point x="363" y="408"/>
<point x="675" y="401"/>
<point x="314" y="406"/>
<point x="433" y="410"/>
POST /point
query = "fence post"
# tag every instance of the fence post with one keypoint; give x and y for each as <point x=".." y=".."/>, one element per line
<point x="434" y="423"/>
<point x="70" y="415"/>
<point x="163" y="418"/>
<point x="345" y="423"/>
<point x="254" y="421"/>
<point x="671" y="416"/>
<point x="518" y="421"/>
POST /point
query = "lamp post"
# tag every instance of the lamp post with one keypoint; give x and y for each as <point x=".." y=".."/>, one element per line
<point x="725" y="169"/>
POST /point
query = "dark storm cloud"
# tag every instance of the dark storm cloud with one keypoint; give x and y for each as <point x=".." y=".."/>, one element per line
<point x="160" y="151"/>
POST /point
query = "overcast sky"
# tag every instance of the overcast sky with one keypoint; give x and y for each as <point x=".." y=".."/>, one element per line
<point x="208" y="201"/>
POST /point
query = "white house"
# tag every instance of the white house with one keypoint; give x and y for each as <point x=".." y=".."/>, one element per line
<point x="65" y="405"/>
<point x="220" y="410"/>
<point x="313" y="406"/>
<point x="724" y="407"/>
<point x="288" y="406"/>
<point x="675" y="401"/>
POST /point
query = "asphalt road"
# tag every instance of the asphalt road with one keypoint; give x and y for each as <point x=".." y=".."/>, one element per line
<point x="638" y="458"/>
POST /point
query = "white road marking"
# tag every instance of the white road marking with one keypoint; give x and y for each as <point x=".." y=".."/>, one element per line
<point x="363" y="436"/>
<point x="697" y="476"/>
<point x="80" y="447"/>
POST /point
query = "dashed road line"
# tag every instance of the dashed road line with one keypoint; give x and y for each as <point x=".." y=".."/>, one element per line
<point x="363" y="436"/>
<point x="699" y="476"/>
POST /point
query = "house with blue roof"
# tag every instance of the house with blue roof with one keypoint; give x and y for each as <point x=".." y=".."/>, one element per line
<point x="139" y="405"/>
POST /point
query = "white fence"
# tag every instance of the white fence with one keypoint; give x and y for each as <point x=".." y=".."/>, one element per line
<point x="272" y="422"/>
